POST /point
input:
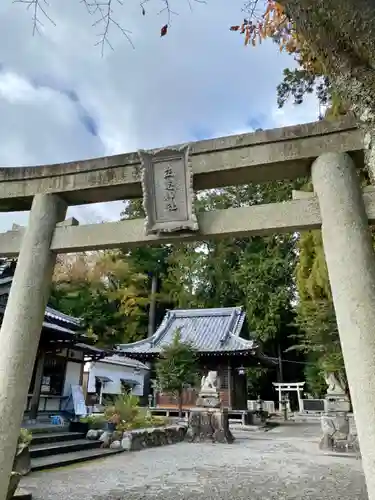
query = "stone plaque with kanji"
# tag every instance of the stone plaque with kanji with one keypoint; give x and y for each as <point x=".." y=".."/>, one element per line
<point x="168" y="196"/>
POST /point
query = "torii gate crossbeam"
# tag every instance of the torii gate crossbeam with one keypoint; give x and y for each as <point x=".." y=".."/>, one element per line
<point x="331" y="151"/>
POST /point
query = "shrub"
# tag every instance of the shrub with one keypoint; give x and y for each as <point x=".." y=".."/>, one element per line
<point x="143" y="421"/>
<point x="126" y="414"/>
<point x="159" y="421"/>
<point x="124" y="409"/>
<point x="25" y="437"/>
<point x="94" y="421"/>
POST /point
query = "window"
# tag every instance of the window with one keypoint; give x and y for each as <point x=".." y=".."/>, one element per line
<point x="53" y="376"/>
<point x="223" y="379"/>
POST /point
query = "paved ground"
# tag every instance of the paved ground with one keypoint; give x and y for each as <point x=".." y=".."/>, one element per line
<point x="284" y="463"/>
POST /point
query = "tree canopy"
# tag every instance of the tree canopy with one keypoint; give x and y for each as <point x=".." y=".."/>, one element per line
<point x="103" y="290"/>
<point x="316" y="319"/>
<point x="112" y="291"/>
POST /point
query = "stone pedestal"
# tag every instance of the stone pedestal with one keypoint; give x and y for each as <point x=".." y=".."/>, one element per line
<point x="337" y="403"/>
<point x="336" y="426"/>
<point x="209" y="424"/>
<point x="208" y="399"/>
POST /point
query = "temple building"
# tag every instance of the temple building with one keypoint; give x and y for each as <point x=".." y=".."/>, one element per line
<point x="221" y="338"/>
<point x="62" y="352"/>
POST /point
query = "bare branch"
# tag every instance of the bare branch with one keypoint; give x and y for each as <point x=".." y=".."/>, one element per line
<point x="103" y="9"/>
<point x="39" y="8"/>
<point x="103" y="13"/>
<point x="167" y="8"/>
<point x="254" y="10"/>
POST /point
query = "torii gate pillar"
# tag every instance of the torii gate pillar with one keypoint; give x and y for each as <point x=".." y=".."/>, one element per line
<point x="22" y="323"/>
<point x="351" y="267"/>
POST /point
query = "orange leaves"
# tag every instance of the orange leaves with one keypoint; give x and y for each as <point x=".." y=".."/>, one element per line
<point x="164" y="30"/>
<point x="274" y="24"/>
<point x="249" y="30"/>
<point x="279" y="9"/>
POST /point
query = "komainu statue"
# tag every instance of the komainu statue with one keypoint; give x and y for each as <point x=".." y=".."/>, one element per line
<point x="209" y="383"/>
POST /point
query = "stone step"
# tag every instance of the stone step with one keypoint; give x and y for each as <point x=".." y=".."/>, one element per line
<point x="58" y="448"/>
<point x="41" y="428"/>
<point x="65" y="459"/>
<point x="54" y="437"/>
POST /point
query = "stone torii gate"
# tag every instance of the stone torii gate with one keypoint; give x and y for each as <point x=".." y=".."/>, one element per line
<point x="286" y="387"/>
<point x="331" y="152"/>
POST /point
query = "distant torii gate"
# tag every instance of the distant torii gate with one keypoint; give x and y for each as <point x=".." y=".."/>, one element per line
<point x="330" y="152"/>
<point x="290" y="387"/>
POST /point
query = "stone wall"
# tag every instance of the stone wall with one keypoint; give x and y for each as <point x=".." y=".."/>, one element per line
<point x="139" y="439"/>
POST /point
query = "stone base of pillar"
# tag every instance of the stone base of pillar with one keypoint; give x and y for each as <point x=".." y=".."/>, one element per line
<point x="22" y="494"/>
<point x="209" y="424"/>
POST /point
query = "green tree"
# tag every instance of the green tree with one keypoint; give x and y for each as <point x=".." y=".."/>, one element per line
<point x="151" y="261"/>
<point x="104" y="291"/>
<point x="177" y="368"/>
<point x="255" y="272"/>
<point x="316" y="319"/>
<point x="184" y="274"/>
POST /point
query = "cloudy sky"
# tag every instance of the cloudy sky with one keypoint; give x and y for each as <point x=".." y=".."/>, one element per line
<point x="60" y="100"/>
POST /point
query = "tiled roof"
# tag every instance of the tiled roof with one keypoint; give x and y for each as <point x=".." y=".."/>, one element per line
<point x="209" y="330"/>
<point x="53" y="313"/>
<point x="58" y="328"/>
<point x="47" y="324"/>
<point x="115" y="359"/>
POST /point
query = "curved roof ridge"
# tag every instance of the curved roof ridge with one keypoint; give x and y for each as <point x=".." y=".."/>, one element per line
<point x="206" y="311"/>
<point x="252" y="343"/>
<point x="209" y="330"/>
<point x="149" y="340"/>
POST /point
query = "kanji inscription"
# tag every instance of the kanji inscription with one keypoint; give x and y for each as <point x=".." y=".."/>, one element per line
<point x="168" y="196"/>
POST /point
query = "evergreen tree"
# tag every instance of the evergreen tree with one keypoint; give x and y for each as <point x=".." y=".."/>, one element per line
<point x="177" y="368"/>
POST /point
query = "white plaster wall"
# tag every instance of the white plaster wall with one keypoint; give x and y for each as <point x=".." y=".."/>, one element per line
<point x="115" y="373"/>
<point x="72" y="377"/>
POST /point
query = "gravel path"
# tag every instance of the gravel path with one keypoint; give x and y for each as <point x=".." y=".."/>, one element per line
<point x="284" y="463"/>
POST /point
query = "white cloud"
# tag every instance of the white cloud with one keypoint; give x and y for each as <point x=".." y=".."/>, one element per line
<point x="61" y="101"/>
